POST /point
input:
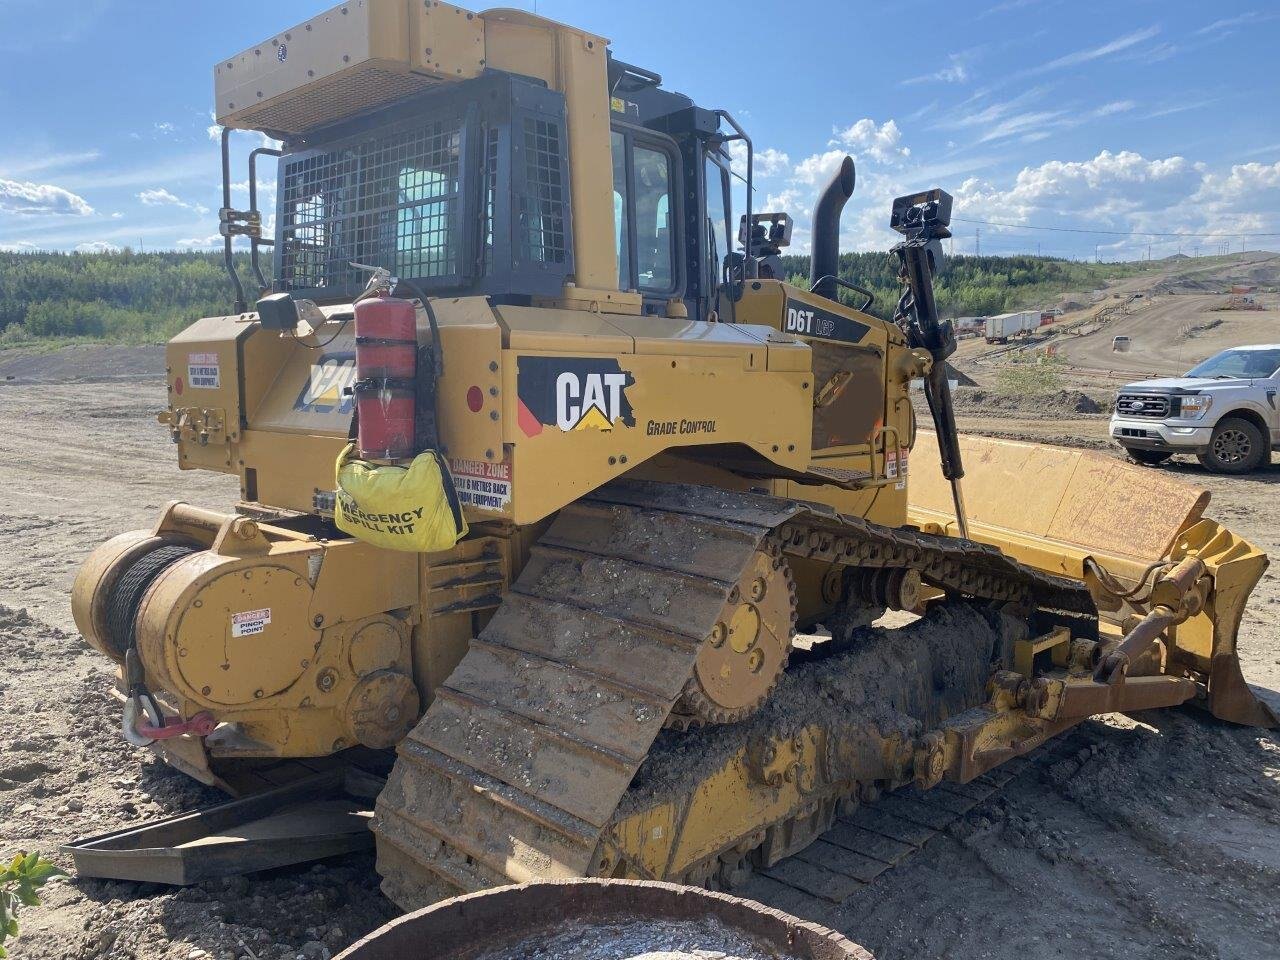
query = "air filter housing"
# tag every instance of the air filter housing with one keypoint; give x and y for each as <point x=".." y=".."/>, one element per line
<point x="357" y="56"/>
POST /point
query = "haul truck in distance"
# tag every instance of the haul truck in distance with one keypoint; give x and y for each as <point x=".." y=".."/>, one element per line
<point x="671" y="463"/>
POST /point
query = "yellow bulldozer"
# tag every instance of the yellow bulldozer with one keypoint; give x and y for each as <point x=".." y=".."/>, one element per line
<point x="696" y="607"/>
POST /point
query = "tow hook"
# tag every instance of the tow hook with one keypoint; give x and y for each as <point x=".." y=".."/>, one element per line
<point x="143" y="726"/>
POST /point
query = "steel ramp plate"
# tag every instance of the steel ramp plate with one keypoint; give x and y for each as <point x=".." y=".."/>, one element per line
<point x="306" y="820"/>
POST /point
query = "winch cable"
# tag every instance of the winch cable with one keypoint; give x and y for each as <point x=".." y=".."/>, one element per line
<point x="122" y="617"/>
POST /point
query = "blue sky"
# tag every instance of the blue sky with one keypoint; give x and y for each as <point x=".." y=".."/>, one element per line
<point x="1129" y="115"/>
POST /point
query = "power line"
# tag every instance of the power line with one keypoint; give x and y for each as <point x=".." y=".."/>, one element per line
<point x="1109" y="233"/>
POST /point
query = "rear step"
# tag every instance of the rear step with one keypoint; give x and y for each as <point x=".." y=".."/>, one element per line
<point x="322" y="815"/>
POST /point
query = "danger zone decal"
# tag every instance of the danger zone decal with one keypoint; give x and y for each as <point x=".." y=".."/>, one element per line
<point x="250" y="622"/>
<point x="481" y="484"/>
<point x="203" y="372"/>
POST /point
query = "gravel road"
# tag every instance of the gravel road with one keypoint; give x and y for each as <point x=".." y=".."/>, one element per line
<point x="1159" y="839"/>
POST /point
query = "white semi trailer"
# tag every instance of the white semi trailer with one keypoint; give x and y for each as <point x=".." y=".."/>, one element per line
<point x="1000" y="329"/>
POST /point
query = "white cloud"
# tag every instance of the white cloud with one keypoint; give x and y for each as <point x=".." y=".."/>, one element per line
<point x="1229" y="25"/>
<point x="882" y="143"/>
<point x="160" y="197"/>
<point x="25" y="166"/>
<point x="1009" y="5"/>
<point x="956" y="71"/>
<point x="269" y="186"/>
<point x="1023" y="117"/>
<point x="200" y="243"/>
<point x="771" y="162"/>
<point x="817" y="169"/>
<point x="20" y="246"/>
<point x="1095" y="53"/>
<point x="1028" y="123"/>
<point x="768" y="162"/>
<point x="1114" y="107"/>
<point x="1240" y="190"/>
<point x="25" y="199"/>
<point x="97" y="246"/>
<point x="1128" y="192"/>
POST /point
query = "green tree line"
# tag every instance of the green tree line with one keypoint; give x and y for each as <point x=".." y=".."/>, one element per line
<point x="148" y="297"/>
<point x="124" y="296"/>
<point x="971" y="286"/>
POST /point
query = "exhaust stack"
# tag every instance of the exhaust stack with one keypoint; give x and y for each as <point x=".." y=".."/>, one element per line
<point x="825" y="259"/>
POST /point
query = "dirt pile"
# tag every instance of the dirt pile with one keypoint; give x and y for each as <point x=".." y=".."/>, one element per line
<point x="1195" y="330"/>
<point x="986" y="402"/>
<point x="81" y="363"/>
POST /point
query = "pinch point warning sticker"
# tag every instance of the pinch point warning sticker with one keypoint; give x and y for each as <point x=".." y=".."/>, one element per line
<point x="481" y="484"/>
<point x="250" y="622"/>
<point x="203" y="372"/>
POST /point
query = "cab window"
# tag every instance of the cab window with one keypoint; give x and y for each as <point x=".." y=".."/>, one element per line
<point x="644" y="213"/>
<point x="621" y="220"/>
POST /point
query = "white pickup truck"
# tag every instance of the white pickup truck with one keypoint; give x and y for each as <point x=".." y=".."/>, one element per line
<point x="1224" y="411"/>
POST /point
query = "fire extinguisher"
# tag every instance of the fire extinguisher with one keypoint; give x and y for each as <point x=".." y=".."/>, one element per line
<point x="386" y="371"/>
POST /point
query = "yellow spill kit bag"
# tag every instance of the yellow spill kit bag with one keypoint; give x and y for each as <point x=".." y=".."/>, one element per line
<point x="413" y="508"/>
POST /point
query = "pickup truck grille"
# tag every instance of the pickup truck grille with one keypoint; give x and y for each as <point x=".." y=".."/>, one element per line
<point x="1153" y="405"/>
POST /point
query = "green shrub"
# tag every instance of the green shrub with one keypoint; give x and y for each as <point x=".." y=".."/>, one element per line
<point x="123" y="296"/>
<point x="20" y="883"/>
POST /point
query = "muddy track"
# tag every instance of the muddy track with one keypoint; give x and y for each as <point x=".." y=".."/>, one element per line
<point x="524" y="764"/>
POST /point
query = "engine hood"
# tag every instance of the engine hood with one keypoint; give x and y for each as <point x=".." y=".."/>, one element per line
<point x="1174" y="384"/>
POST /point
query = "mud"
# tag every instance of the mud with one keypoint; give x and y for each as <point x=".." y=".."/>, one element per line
<point x="888" y="680"/>
<point x="1161" y="841"/>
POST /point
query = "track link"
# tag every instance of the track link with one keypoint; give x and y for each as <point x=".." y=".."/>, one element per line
<point x="517" y="768"/>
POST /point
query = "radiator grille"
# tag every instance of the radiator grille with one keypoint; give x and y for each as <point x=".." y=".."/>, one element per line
<point x="1153" y="405"/>
<point x="388" y="201"/>
<point x="328" y="100"/>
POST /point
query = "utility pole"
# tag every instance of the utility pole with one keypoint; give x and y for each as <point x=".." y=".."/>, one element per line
<point x="1148" y="253"/>
<point x="977" y="241"/>
<point x="1037" y="248"/>
<point x="1096" y="257"/>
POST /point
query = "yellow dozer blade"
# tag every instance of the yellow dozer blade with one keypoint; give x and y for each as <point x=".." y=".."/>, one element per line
<point x="1110" y="524"/>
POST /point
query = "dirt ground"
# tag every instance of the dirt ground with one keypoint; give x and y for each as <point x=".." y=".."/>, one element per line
<point x="1160" y="838"/>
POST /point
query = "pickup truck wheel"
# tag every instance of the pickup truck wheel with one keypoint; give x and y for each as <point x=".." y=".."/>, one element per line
<point x="1237" y="446"/>
<point x="1150" y="458"/>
